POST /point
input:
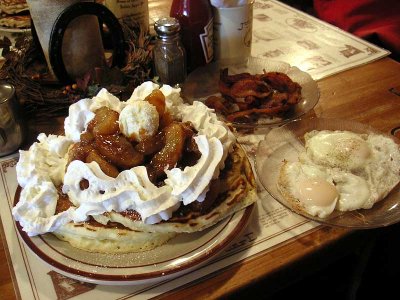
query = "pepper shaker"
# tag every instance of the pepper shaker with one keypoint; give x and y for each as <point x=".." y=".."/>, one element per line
<point x="169" y="53"/>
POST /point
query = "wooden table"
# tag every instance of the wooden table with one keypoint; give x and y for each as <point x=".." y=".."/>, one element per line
<point x="369" y="94"/>
<point x="374" y="98"/>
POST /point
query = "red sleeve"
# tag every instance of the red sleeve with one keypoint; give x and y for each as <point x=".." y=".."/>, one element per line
<point x="368" y="19"/>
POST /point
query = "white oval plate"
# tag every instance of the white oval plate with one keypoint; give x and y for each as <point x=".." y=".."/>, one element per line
<point x="180" y="255"/>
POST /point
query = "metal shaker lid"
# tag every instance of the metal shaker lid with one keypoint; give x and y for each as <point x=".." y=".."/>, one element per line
<point x="7" y="91"/>
<point x="167" y="26"/>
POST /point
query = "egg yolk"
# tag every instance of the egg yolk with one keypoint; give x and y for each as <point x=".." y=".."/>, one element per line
<point x="317" y="192"/>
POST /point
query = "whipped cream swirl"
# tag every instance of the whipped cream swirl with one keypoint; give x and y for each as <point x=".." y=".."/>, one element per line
<point x="41" y="169"/>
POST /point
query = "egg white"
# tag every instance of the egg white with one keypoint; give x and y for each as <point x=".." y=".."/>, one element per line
<point x="363" y="168"/>
<point x="338" y="149"/>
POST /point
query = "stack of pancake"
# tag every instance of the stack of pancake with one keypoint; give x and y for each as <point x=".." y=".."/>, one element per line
<point x="14" y="14"/>
<point x="109" y="193"/>
<point x="125" y="232"/>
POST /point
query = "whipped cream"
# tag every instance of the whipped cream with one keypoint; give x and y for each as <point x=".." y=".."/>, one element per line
<point x="36" y="210"/>
<point x="192" y="183"/>
<point x="41" y="169"/>
<point x="45" y="159"/>
<point x="82" y="112"/>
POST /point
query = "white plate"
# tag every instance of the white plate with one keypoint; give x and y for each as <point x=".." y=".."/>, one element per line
<point x="177" y="257"/>
<point x="14" y="30"/>
<point x="203" y="82"/>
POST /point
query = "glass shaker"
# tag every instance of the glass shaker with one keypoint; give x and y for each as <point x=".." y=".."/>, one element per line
<point x="169" y="53"/>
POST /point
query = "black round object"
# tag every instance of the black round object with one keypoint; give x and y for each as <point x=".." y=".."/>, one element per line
<point x="78" y="9"/>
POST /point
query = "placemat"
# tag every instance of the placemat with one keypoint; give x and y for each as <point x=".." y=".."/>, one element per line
<point x="271" y="225"/>
<point x="283" y="33"/>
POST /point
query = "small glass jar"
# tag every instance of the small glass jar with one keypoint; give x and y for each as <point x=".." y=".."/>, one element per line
<point x="169" y="53"/>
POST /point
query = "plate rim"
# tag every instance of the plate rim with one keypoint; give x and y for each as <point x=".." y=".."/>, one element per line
<point x="14" y="30"/>
<point x="138" y="278"/>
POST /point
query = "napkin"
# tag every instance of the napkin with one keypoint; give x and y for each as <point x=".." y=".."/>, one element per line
<point x="230" y="3"/>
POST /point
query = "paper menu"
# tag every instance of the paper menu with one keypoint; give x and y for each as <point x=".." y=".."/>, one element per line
<point x="283" y="33"/>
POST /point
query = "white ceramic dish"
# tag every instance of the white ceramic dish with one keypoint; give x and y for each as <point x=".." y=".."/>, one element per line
<point x="180" y="255"/>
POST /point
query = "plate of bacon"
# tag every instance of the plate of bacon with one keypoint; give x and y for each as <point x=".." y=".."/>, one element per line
<point x="257" y="93"/>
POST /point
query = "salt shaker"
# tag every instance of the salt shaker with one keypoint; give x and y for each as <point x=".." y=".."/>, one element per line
<point x="169" y="53"/>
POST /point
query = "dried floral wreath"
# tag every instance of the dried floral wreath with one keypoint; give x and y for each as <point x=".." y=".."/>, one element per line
<point x="25" y="67"/>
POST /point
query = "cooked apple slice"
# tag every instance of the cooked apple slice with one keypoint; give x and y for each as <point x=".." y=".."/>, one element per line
<point x="170" y="154"/>
<point x="118" y="150"/>
<point x="104" y="165"/>
<point x="105" y="122"/>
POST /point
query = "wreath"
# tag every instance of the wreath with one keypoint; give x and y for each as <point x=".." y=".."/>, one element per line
<point x="41" y="98"/>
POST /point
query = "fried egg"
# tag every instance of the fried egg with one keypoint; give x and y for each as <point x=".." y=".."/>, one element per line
<point x="342" y="149"/>
<point x="340" y="170"/>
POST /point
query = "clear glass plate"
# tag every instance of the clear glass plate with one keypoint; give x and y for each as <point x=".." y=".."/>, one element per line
<point x="181" y="254"/>
<point x="203" y="82"/>
<point x="284" y="143"/>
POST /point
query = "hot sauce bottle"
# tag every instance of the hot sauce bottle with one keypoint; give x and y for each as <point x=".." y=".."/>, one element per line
<point x="196" y="20"/>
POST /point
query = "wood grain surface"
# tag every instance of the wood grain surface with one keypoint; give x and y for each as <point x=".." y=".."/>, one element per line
<point x="369" y="94"/>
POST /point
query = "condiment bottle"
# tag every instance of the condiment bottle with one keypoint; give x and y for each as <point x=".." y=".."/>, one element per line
<point x="196" y="20"/>
<point x="169" y="53"/>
